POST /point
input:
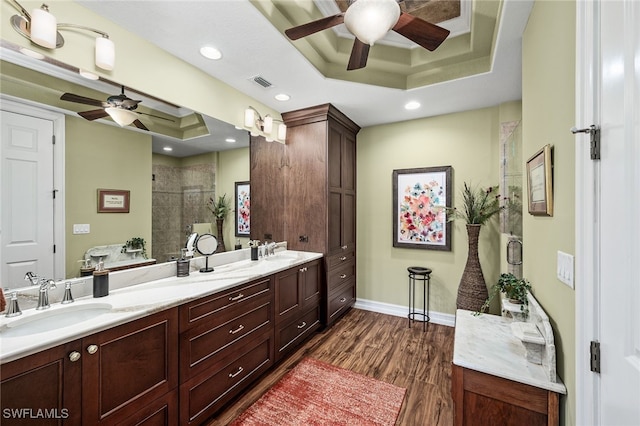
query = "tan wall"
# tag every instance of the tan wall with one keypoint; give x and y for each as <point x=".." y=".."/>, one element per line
<point x="103" y="156"/>
<point x="467" y="141"/>
<point x="233" y="166"/>
<point x="548" y="112"/>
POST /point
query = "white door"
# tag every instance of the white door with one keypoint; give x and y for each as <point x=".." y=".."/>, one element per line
<point x="27" y="208"/>
<point x="608" y="296"/>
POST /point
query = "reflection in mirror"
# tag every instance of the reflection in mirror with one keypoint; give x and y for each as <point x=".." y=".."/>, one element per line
<point x="181" y="158"/>
<point x="206" y="246"/>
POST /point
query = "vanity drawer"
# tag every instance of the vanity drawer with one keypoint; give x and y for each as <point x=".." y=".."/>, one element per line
<point x="203" y="395"/>
<point x="342" y="299"/>
<point x="287" y="336"/>
<point x="340" y="275"/>
<point x="206" y="346"/>
<point x="339" y="259"/>
<point x="219" y="308"/>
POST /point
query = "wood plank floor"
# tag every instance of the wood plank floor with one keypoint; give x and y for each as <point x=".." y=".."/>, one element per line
<point x="379" y="346"/>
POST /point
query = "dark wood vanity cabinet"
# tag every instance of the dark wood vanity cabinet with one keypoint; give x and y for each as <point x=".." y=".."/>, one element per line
<point x="297" y="305"/>
<point x="305" y="193"/>
<point x="122" y="375"/>
<point x="226" y="341"/>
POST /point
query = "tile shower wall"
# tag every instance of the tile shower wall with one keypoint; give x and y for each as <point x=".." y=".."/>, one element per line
<point x="179" y="200"/>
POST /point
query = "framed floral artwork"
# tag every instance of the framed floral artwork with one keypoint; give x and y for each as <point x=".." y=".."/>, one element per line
<point x="243" y="209"/>
<point x="420" y="199"/>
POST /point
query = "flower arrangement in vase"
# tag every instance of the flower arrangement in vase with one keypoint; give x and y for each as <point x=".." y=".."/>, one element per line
<point x="220" y="209"/>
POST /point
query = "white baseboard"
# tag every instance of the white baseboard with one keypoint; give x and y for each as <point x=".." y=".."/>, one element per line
<point x="402" y="311"/>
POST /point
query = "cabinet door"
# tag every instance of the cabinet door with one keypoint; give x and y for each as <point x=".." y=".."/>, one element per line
<point x="342" y="188"/>
<point x="288" y="298"/>
<point x="310" y="282"/>
<point x="128" y="367"/>
<point x="44" y="384"/>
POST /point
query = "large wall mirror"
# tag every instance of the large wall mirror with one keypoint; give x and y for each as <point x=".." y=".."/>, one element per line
<point x="167" y="160"/>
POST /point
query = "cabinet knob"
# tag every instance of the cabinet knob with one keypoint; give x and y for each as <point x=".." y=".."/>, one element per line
<point x="343" y="258"/>
<point x="92" y="349"/>
<point x="238" y="297"/>
<point x="343" y="276"/>
<point x="344" y="299"/>
<point x="241" y="327"/>
<point x="74" y="356"/>
<point x="240" y="370"/>
<point x="303" y="325"/>
<point x="303" y="269"/>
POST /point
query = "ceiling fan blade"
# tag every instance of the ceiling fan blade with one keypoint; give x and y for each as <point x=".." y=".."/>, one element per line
<point x="313" y="27"/>
<point x="82" y="100"/>
<point x="93" y="114"/>
<point x="359" y="55"/>
<point x="424" y="33"/>
<point x="139" y="125"/>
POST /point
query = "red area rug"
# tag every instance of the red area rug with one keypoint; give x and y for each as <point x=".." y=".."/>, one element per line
<point x="315" y="393"/>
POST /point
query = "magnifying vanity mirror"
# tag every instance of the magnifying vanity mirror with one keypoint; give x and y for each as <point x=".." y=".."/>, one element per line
<point x="206" y="246"/>
<point x="168" y="189"/>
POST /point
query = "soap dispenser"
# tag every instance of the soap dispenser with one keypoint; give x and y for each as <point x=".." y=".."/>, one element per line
<point x="100" y="280"/>
<point x="182" y="264"/>
<point x="86" y="269"/>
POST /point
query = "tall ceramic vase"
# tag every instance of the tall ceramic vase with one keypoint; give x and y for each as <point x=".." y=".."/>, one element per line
<point x="472" y="291"/>
<point x="221" y="248"/>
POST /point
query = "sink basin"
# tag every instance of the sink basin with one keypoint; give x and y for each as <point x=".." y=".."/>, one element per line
<point x="283" y="256"/>
<point x="54" y="319"/>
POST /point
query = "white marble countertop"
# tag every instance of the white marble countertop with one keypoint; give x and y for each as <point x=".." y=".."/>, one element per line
<point x="485" y="343"/>
<point x="127" y="303"/>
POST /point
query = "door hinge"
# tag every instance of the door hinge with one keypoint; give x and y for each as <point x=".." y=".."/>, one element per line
<point x="54" y="248"/>
<point x="54" y="193"/>
<point x="594" y="351"/>
<point x="594" y="140"/>
<point x="53" y="139"/>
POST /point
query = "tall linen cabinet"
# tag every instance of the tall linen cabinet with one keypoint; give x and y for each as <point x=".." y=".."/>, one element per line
<point x="304" y="192"/>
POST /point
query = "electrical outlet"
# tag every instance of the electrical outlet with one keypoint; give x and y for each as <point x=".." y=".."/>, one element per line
<point x="81" y="228"/>
<point x="565" y="268"/>
<point x="303" y="238"/>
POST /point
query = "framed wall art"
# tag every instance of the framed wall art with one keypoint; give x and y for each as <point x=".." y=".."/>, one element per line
<point x="540" y="182"/>
<point x="243" y="209"/>
<point x="420" y="199"/>
<point x="113" y="201"/>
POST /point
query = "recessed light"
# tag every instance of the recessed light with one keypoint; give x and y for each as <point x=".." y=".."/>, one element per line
<point x="412" y="105"/>
<point x="88" y="75"/>
<point x="282" y="97"/>
<point x="167" y="148"/>
<point x="210" y="52"/>
<point x="230" y="140"/>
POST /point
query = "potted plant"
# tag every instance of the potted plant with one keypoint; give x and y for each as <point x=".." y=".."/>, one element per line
<point x="479" y="206"/>
<point x="220" y="210"/>
<point x="135" y="245"/>
<point x="515" y="289"/>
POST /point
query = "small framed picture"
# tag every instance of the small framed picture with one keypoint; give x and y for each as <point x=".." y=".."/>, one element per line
<point x="243" y="209"/>
<point x="540" y="182"/>
<point x="420" y="199"/>
<point x="113" y="201"/>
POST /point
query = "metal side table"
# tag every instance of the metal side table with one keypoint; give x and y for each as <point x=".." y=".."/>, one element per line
<point x="419" y="274"/>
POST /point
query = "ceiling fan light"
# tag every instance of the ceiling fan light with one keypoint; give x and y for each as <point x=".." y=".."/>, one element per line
<point x="123" y="117"/>
<point x="44" y="27"/>
<point x="105" y="53"/>
<point x="370" y="20"/>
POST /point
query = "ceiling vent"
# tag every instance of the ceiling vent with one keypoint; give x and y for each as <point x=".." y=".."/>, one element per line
<point x="261" y="81"/>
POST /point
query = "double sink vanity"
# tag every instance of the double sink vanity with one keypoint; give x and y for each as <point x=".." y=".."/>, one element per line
<point x="159" y="347"/>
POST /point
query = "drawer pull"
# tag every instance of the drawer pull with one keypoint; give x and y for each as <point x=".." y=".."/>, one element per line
<point x="238" y="297"/>
<point x="74" y="356"/>
<point x="232" y="375"/>
<point x="305" y="269"/>
<point x="92" y="349"/>
<point x="344" y="247"/>
<point x="241" y="327"/>
<point x="343" y="258"/>
<point x="303" y="325"/>
<point x="343" y="276"/>
<point x="344" y="299"/>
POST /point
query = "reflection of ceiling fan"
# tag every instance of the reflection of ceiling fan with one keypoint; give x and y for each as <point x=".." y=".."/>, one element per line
<point x="369" y="21"/>
<point x="119" y="107"/>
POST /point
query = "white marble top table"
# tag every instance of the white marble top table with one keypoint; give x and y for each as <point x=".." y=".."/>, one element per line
<point x="485" y="343"/>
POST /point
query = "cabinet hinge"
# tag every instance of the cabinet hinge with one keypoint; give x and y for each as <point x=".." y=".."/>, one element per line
<point x="594" y="351"/>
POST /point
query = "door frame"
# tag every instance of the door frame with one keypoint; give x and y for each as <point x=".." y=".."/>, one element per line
<point x="34" y="109"/>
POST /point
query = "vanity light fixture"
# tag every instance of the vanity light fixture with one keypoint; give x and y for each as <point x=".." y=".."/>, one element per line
<point x="41" y="27"/>
<point x="123" y="117"/>
<point x="257" y="125"/>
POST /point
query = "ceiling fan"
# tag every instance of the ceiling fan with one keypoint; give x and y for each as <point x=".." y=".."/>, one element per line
<point x="120" y="108"/>
<point x="369" y="21"/>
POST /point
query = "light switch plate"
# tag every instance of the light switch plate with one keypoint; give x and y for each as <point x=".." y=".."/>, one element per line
<point x="81" y="228"/>
<point x="565" y="268"/>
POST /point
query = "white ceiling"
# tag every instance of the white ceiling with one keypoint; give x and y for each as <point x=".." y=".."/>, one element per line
<point x="252" y="46"/>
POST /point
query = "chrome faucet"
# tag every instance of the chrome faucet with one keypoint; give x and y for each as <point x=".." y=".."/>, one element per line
<point x="43" y="296"/>
<point x="31" y="277"/>
<point x="13" y="310"/>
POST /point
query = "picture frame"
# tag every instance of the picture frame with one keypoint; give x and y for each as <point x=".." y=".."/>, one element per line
<point x="420" y="198"/>
<point x="540" y="182"/>
<point x="242" y="206"/>
<point x="113" y="201"/>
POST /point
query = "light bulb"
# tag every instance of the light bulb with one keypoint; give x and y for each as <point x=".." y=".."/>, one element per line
<point x="44" y="28"/>
<point x="370" y="20"/>
<point x="105" y="53"/>
<point x="249" y="117"/>
<point x="268" y="124"/>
